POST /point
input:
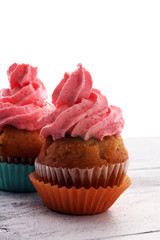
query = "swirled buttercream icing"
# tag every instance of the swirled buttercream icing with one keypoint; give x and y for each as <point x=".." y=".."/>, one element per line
<point x="23" y="104"/>
<point x="81" y="110"/>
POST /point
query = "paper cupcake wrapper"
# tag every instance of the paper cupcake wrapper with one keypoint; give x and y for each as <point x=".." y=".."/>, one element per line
<point x="17" y="160"/>
<point x="80" y="201"/>
<point x="110" y="175"/>
<point x="15" y="177"/>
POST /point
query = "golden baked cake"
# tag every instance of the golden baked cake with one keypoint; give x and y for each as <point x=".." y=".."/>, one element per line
<point x="20" y="144"/>
<point x="74" y="152"/>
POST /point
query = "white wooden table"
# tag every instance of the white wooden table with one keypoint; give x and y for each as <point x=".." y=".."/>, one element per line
<point x="135" y="215"/>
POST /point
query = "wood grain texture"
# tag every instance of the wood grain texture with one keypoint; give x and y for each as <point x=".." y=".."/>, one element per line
<point x="135" y="215"/>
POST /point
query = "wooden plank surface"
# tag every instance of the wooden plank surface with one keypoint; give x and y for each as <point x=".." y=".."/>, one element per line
<point x="143" y="236"/>
<point x="135" y="215"/>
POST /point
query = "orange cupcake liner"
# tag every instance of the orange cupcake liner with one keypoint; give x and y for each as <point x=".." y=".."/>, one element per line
<point x="80" y="201"/>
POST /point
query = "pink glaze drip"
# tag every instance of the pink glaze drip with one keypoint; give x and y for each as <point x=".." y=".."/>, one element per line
<point x="81" y="110"/>
<point x="23" y="104"/>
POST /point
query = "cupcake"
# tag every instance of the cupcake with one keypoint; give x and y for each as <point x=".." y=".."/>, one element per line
<point x="81" y="168"/>
<point x="21" y="107"/>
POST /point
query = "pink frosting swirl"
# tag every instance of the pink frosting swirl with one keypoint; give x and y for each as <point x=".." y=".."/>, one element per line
<point x="81" y="110"/>
<point x="23" y="104"/>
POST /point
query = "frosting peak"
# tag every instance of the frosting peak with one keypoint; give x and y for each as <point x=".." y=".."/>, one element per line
<point x="73" y="87"/>
<point x="23" y="104"/>
<point x="21" y="75"/>
<point x="81" y="110"/>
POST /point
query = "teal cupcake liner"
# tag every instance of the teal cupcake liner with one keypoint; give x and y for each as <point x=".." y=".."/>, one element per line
<point x="15" y="177"/>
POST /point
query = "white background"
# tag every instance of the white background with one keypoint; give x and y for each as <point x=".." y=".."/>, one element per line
<point x="117" y="41"/>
